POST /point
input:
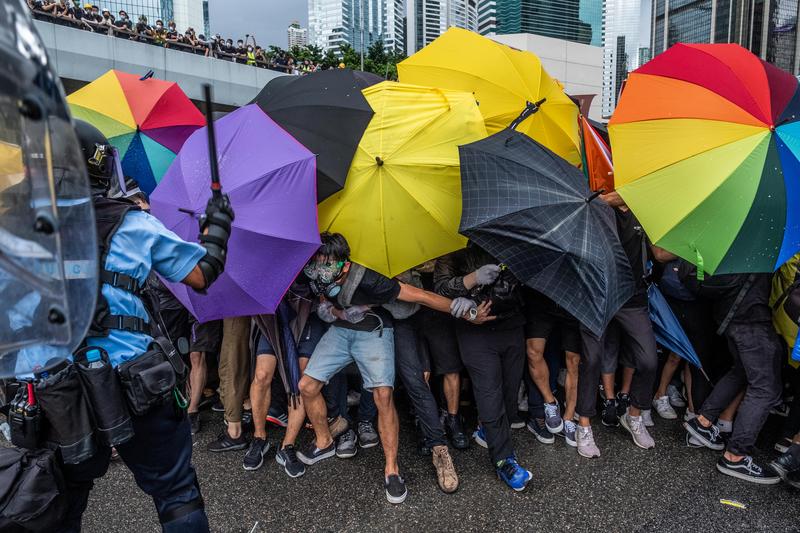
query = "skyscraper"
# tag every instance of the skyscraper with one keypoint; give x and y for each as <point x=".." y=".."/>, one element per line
<point x="428" y="19"/>
<point x="579" y="21"/>
<point x="296" y="36"/>
<point x="768" y="28"/>
<point x="358" y="23"/>
<point x="188" y="14"/>
<point x="627" y="32"/>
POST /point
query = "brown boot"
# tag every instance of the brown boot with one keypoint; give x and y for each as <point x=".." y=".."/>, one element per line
<point x="445" y="470"/>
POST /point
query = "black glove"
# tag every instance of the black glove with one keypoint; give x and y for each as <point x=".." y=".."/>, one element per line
<point x="215" y="230"/>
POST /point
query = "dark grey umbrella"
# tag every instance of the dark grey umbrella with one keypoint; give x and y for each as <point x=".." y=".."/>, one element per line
<point x="534" y="212"/>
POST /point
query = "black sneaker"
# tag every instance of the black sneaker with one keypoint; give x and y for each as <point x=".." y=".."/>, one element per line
<point x="610" y="418"/>
<point x="254" y="457"/>
<point x="454" y="426"/>
<point x="206" y="402"/>
<point x="623" y="402"/>
<point x="785" y="465"/>
<point x="311" y="454"/>
<point x="226" y="443"/>
<point x="708" y="436"/>
<point x="347" y="445"/>
<point x="217" y="406"/>
<point x="748" y="470"/>
<point x="247" y="420"/>
<point x="194" y="422"/>
<point x="793" y="479"/>
<point x="395" y="489"/>
<point x="287" y="458"/>
<point x="537" y="427"/>
<point x="367" y="436"/>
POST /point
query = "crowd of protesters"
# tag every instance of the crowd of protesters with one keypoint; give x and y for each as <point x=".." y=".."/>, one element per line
<point x="91" y="17"/>
<point x="509" y="351"/>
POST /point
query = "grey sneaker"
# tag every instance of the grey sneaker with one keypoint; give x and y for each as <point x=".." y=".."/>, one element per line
<point x="552" y="417"/>
<point x="346" y="445"/>
<point x="675" y="396"/>
<point x="664" y="409"/>
<point x="647" y="418"/>
<point x="586" y="445"/>
<point x="367" y="436"/>
<point x="635" y="426"/>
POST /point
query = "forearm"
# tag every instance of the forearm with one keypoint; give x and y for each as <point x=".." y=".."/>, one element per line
<point x="409" y="293"/>
<point x="195" y="279"/>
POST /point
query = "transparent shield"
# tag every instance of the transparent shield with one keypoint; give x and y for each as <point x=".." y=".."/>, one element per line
<point x="48" y="248"/>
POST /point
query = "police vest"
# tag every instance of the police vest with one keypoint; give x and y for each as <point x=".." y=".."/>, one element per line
<point x="109" y="214"/>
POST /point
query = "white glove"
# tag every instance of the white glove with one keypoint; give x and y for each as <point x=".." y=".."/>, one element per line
<point x="487" y="274"/>
<point x="461" y="306"/>
<point x="356" y="313"/>
<point x="325" y="312"/>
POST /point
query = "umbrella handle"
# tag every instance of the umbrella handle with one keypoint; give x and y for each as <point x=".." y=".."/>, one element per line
<point x="216" y="188"/>
<point x="530" y="109"/>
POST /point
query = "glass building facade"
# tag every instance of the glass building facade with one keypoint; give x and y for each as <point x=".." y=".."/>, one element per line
<point x="626" y="35"/>
<point x="579" y="21"/>
<point x="428" y="19"/>
<point x="359" y="23"/>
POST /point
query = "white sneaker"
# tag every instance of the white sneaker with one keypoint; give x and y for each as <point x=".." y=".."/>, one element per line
<point x="664" y="409"/>
<point x="635" y="426"/>
<point x="586" y="446"/>
<point x="647" y="418"/>
<point x="675" y="396"/>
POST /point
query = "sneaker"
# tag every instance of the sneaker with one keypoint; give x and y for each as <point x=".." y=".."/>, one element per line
<point x="647" y="417"/>
<point x="747" y="470"/>
<point x="277" y="418"/>
<point x="664" y="408"/>
<point x="226" y="443"/>
<point x="552" y="417"/>
<point x="793" y="479"/>
<point x="585" y="439"/>
<point x="785" y="465"/>
<point x="445" y="470"/>
<point x="367" y="436"/>
<point x="311" y="454"/>
<point x="708" y="436"/>
<point x="207" y="400"/>
<point x="217" y="406"/>
<point x="570" y="428"/>
<point x="692" y="442"/>
<point x="347" y="445"/>
<point x="782" y="446"/>
<point x="287" y="458"/>
<point x="395" y="489"/>
<point x="454" y="426"/>
<point x="194" y="422"/>
<point x="536" y="426"/>
<point x="782" y="409"/>
<point x="353" y="398"/>
<point x="675" y="397"/>
<point x="337" y="425"/>
<point x="688" y="415"/>
<point x="480" y="437"/>
<point x="513" y="474"/>
<point x="254" y="457"/>
<point x="635" y="426"/>
<point x="610" y="418"/>
<point x="623" y="402"/>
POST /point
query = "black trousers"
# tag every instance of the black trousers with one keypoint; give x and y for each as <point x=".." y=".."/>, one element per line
<point x="495" y="360"/>
<point x="639" y="342"/>
<point x="409" y="367"/>
<point x="756" y="365"/>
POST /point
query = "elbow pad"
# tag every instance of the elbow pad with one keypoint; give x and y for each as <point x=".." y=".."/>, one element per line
<point x="215" y="230"/>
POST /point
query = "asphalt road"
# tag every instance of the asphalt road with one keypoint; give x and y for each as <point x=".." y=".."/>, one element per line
<point x="670" y="488"/>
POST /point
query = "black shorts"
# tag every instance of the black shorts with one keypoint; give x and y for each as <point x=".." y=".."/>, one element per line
<point x="438" y="346"/>
<point x="206" y="337"/>
<point x="540" y="324"/>
<point x="312" y="333"/>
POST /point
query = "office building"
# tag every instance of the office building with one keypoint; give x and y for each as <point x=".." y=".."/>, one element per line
<point x="358" y="23"/>
<point x="579" y="21"/>
<point x="188" y="14"/>
<point x="296" y="36"/>
<point x="626" y="34"/>
<point x="768" y="28"/>
<point x="428" y="19"/>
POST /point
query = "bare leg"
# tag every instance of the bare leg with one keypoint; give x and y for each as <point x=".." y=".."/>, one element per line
<point x="451" y="383"/>
<point x="670" y="366"/>
<point x="538" y="368"/>
<point x="687" y="380"/>
<point x="260" y="393"/>
<point x="197" y="379"/>
<point x="388" y="427"/>
<point x="297" y="415"/>
<point x="317" y="411"/>
<point x="627" y="379"/>
<point x="608" y="386"/>
<point x="571" y="384"/>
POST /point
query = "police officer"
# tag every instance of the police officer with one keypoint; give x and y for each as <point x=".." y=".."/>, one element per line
<point x="132" y="243"/>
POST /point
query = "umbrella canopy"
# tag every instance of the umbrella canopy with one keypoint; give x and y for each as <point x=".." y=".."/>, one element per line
<point x="706" y="144"/>
<point x="596" y="157"/>
<point x="272" y="191"/>
<point x="503" y="81"/>
<point x="533" y="211"/>
<point x="667" y="329"/>
<point x="327" y="113"/>
<point x="147" y="120"/>
<point x="402" y="201"/>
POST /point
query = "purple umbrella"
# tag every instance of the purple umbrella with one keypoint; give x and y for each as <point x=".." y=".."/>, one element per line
<point x="271" y="181"/>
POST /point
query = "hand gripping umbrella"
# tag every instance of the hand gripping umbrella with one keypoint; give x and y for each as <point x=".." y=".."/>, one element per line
<point x="534" y="212"/>
<point x="327" y="113"/>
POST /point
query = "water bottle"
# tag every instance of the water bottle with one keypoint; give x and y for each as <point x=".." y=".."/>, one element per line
<point x="94" y="359"/>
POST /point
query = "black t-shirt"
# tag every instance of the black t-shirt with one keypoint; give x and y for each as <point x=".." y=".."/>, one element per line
<point x="375" y="289"/>
<point x="634" y="242"/>
<point x="753" y="307"/>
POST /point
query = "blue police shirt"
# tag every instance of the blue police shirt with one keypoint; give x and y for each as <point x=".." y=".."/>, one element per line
<point x="141" y="244"/>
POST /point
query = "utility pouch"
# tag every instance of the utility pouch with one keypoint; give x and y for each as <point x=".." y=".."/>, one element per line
<point x="33" y="494"/>
<point x="64" y="405"/>
<point x="104" y="393"/>
<point x="25" y="418"/>
<point x="147" y="381"/>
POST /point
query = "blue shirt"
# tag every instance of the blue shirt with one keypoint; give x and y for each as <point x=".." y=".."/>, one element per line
<point x="141" y="244"/>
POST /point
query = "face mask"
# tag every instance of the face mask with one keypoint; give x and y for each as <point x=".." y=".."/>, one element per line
<point x="249" y="49"/>
<point x="159" y="26"/>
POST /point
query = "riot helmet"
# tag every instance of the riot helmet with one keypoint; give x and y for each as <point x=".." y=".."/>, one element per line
<point x="102" y="160"/>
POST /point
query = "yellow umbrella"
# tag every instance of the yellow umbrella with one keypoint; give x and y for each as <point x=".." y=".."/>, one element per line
<point x="401" y="203"/>
<point x="503" y="80"/>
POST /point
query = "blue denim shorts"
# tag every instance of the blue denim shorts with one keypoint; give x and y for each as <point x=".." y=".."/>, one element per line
<point x="372" y="352"/>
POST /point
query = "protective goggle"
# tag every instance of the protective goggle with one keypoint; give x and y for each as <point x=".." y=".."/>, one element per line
<point x="102" y="162"/>
<point x="324" y="273"/>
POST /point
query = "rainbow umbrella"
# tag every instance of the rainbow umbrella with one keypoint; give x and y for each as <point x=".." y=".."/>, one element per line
<point x="146" y="119"/>
<point x="706" y="149"/>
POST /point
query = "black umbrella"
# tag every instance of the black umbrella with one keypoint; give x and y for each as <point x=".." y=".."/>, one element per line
<point x="327" y="113"/>
<point x="534" y="212"/>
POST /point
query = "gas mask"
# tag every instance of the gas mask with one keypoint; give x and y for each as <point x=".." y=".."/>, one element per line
<point x="323" y="277"/>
